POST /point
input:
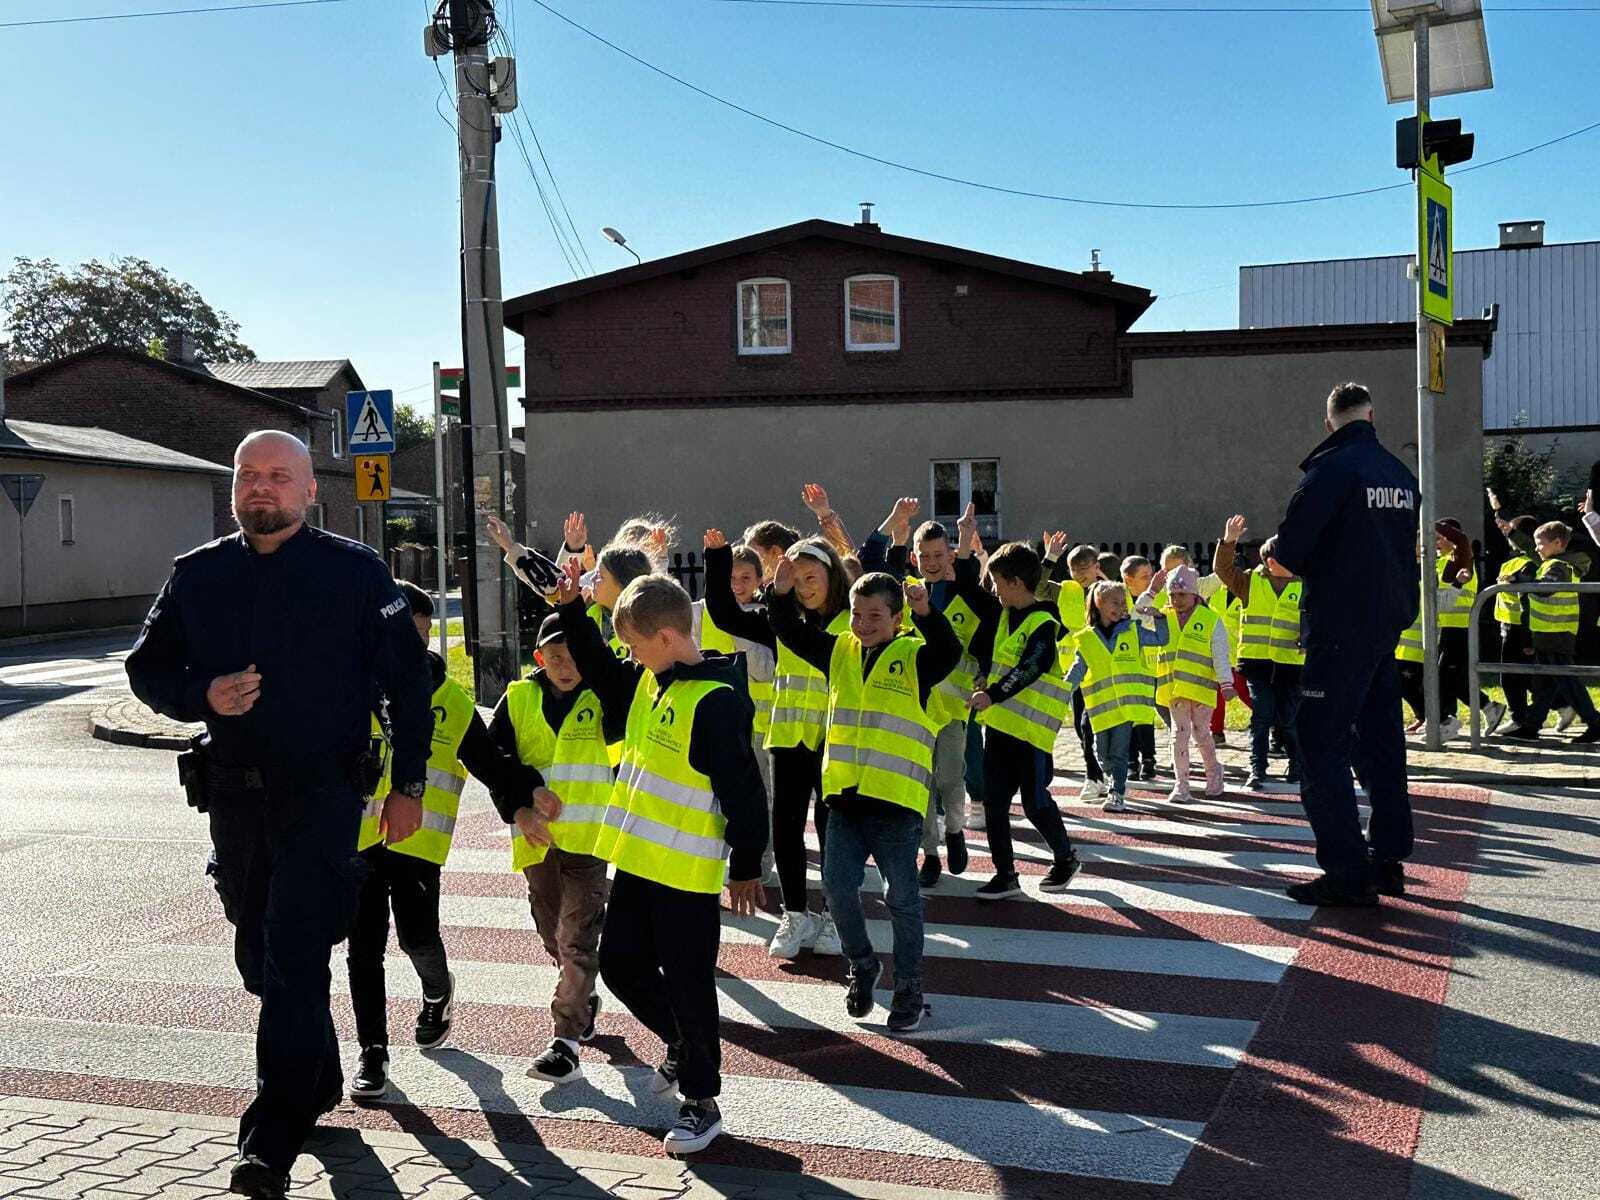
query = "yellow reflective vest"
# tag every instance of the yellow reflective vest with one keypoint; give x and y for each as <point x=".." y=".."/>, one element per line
<point x="1554" y="612"/>
<point x="948" y="700"/>
<point x="575" y="765"/>
<point x="663" y="822"/>
<point x="1034" y="714"/>
<point x="1118" y="688"/>
<point x="880" y="737"/>
<point x="800" y="697"/>
<point x="1508" y="606"/>
<point x="714" y="640"/>
<point x="1269" y="628"/>
<point x="1460" y="607"/>
<point x="1188" y="670"/>
<point x="446" y="777"/>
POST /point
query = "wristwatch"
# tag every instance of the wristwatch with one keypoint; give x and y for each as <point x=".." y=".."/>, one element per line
<point x="414" y="790"/>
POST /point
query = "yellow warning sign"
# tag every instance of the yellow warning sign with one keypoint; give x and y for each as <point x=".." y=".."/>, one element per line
<point x="1436" y="358"/>
<point x="372" y="477"/>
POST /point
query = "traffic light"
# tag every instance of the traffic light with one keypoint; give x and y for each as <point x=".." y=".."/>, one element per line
<point x="1442" y="138"/>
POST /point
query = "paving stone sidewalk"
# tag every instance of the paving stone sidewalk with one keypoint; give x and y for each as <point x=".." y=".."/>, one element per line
<point x="51" y="1150"/>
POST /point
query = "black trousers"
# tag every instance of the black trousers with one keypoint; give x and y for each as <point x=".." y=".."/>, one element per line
<point x="796" y="778"/>
<point x="1454" y="686"/>
<point x="1080" y="724"/>
<point x="1012" y="767"/>
<point x="1516" y="646"/>
<point x="285" y="867"/>
<point x="1559" y="691"/>
<point x="411" y="887"/>
<point x="1142" y="747"/>
<point x="658" y="955"/>
<point x="1411" y="689"/>
<point x="1349" y="719"/>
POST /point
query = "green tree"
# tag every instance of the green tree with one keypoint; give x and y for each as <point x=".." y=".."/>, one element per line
<point x="411" y="428"/>
<point x="127" y="302"/>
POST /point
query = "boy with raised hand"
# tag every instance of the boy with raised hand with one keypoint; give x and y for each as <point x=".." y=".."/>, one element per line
<point x="1553" y="622"/>
<point x="884" y="718"/>
<point x="686" y="815"/>
<point x="555" y="727"/>
<point x="1071" y="597"/>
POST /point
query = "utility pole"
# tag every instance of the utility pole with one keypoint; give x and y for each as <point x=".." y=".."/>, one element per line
<point x="484" y="88"/>
<point x="1432" y="738"/>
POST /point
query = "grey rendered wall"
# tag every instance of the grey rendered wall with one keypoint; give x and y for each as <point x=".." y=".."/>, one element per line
<point x="1200" y="438"/>
<point x="128" y="525"/>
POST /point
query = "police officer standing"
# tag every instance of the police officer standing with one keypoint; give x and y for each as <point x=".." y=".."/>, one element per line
<point x="1351" y="534"/>
<point x="278" y="638"/>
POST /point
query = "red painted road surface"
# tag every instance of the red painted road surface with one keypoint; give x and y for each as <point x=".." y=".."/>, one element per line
<point x="1172" y="1029"/>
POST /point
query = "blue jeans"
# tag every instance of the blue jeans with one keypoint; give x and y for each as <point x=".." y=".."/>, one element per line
<point x="1111" y="747"/>
<point x="891" y="834"/>
<point x="975" y="762"/>
<point x="1274" y="703"/>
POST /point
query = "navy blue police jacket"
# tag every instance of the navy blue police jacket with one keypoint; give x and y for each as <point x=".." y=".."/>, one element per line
<point x="326" y="627"/>
<point x="1351" y="534"/>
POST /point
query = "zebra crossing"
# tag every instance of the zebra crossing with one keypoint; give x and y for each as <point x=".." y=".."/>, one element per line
<point x="72" y="682"/>
<point x="1077" y="1040"/>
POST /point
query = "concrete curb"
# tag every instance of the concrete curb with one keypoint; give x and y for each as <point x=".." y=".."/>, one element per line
<point x="118" y="736"/>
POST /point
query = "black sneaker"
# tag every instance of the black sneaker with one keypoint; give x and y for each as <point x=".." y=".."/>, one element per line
<point x="558" y="1064"/>
<point x="1326" y="892"/>
<point x="1521" y="733"/>
<point x="372" y="1078"/>
<point x="252" y="1177"/>
<point x="861" y="980"/>
<point x="1001" y="887"/>
<point x="699" y="1123"/>
<point x="433" y="1021"/>
<point x="955" y="848"/>
<point x="1591" y="733"/>
<point x="928" y="874"/>
<point x="1148" y="771"/>
<point x="1389" y="878"/>
<point x="1059" y="876"/>
<point x="594" y="1012"/>
<point x="665" y="1078"/>
<point x="907" y="1011"/>
<point x="1256" y="782"/>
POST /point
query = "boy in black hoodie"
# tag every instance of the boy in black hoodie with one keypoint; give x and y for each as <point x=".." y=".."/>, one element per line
<point x="687" y="814"/>
<point x="405" y="876"/>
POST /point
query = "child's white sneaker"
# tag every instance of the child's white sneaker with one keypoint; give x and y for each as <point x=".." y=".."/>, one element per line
<point x="1091" y="791"/>
<point x="1564" y="719"/>
<point x="1180" y="795"/>
<point x="795" y="929"/>
<point x="1114" y="802"/>
<point x="826" y="939"/>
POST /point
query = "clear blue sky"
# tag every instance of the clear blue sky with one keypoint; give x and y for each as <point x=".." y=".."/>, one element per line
<point x="290" y="162"/>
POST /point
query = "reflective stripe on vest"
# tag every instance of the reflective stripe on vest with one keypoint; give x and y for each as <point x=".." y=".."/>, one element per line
<point x="444" y="779"/>
<point x="1554" y="612"/>
<point x="1454" y="616"/>
<point x="1188" y="671"/>
<point x="663" y="822"/>
<point x="880" y="738"/>
<point x="575" y="764"/>
<point x="1033" y="715"/>
<point x="1118" y="688"/>
<point x="800" y="697"/>
<point x="1508" y="606"/>
<point x="1226" y="605"/>
<point x="1269" y="626"/>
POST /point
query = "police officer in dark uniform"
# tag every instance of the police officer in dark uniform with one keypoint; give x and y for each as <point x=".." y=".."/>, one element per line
<point x="1351" y="534"/>
<point x="278" y="637"/>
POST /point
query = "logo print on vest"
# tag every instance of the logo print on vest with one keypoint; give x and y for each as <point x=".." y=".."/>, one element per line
<point x="583" y="715"/>
<point x="958" y="619"/>
<point x="897" y="667"/>
<point x="667" y="717"/>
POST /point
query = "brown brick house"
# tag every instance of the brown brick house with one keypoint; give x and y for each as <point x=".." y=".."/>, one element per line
<point x="202" y="412"/>
<point x="710" y="385"/>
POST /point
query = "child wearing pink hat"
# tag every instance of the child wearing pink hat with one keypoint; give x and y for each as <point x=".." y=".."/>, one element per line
<point x="1194" y="666"/>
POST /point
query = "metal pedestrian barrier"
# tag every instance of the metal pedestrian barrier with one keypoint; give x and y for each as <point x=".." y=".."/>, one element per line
<point x="1475" y="665"/>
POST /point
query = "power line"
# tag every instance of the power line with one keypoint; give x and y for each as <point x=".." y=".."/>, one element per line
<point x="168" y="12"/>
<point x="1136" y="9"/>
<point x="544" y="199"/>
<point x="999" y="188"/>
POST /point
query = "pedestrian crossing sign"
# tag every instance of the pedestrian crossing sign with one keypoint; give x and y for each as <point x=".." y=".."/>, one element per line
<point x="1435" y="252"/>
<point x="369" y="416"/>
<point x="372" y="477"/>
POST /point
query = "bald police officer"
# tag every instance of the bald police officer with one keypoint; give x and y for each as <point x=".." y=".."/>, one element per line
<point x="278" y="638"/>
<point x="1351" y="534"/>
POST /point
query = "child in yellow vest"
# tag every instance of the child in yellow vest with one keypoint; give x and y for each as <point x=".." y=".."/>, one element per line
<point x="405" y="875"/>
<point x="686" y="815"/>
<point x="1071" y="598"/>
<point x="555" y="727"/>
<point x="884" y="720"/>
<point x="1195" y="668"/>
<point x="1137" y="571"/>
<point x="1111" y="667"/>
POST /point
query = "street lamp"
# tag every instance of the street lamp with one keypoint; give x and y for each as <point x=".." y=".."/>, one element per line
<point x="611" y="235"/>
<point x="1448" y="53"/>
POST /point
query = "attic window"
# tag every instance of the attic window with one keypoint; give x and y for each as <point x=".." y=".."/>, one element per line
<point x="872" y="312"/>
<point x="764" y="316"/>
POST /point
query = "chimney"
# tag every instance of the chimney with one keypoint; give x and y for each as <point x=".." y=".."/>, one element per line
<point x="1517" y="234"/>
<point x="181" y="348"/>
<point x="1094" y="271"/>
<point x="866" y="221"/>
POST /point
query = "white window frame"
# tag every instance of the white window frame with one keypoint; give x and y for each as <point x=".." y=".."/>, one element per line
<point x="966" y="464"/>
<point x="67" y="516"/>
<point x="788" y="314"/>
<point x="336" y="433"/>
<point x="873" y="277"/>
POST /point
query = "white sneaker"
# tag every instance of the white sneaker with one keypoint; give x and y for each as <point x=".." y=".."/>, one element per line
<point x="826" y="939"/>
<point x="1091" y="791"/>
<point x="1114" y="802"/>
<point x="794" y="931"/>
<point x="1564" y="719"/>
<point x="1180" y="795"/>
<point x="1449" y="727"/>
<point x="975" y="818"/>
<point x="1493" y="713"/>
